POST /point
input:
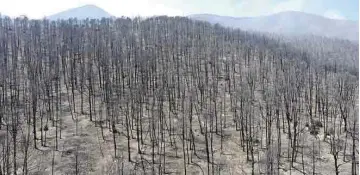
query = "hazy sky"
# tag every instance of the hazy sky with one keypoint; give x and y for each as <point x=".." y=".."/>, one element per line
<point x="341" y="9"/>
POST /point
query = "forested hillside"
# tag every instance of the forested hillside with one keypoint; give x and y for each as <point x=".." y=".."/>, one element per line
<point x="169" y="95"/>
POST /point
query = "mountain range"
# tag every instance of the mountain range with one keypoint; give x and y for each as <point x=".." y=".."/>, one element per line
<point x="284" y="23"/>
<point x="289" y="23"/>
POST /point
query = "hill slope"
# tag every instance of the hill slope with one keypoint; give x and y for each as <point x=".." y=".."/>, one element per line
<point x="289" y="23"/>
<point x="172" y="96"/>
<point x="83" y="12"/>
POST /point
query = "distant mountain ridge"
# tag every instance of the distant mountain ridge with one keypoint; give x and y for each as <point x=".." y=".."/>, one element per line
<point x="83" y="12"/>
<point x="289" y="23"/>
<point x="284" y="23"/>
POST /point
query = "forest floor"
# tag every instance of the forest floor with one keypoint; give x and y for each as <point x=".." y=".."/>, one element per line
<point x="96" y="156"/>
<point x="83" y="146"/>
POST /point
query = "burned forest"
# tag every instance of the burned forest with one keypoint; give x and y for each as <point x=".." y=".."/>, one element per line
<point x="171" y="95"/>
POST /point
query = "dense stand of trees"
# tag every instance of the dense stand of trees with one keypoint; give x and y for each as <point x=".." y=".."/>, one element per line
<point x="172" y="91"/>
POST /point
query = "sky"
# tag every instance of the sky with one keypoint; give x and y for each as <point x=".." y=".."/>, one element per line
<point x="336" y="9"/>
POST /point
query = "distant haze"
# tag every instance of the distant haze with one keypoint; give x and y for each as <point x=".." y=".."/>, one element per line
<point x="289" y="23"/>
<point x="285" y="23"/>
